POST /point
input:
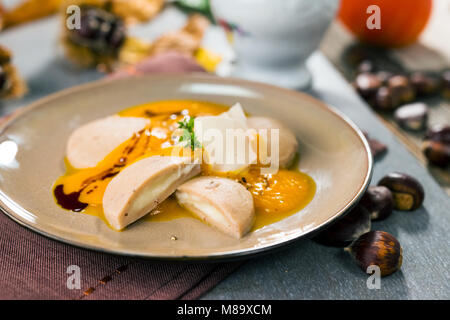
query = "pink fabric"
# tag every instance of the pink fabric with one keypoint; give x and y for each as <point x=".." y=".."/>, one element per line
<point x="170" y="62"/>
<point x="35" y="267"/>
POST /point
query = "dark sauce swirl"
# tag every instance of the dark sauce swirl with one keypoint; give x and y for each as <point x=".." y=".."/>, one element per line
<point x="71" y="201"/>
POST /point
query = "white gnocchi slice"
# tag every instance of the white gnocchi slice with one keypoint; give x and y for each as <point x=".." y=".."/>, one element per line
<point x="287" y="142"/>
<point x="140" y="187"/>
<point x="222" y="203"/>
<point x="228" y="144"/>
<point x="92" y="142"/>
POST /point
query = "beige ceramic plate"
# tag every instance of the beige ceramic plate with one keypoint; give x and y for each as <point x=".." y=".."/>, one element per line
<point x="32" y="144"/>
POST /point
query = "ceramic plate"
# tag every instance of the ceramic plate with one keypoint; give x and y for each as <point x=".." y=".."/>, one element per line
<point x="32" y="145"/>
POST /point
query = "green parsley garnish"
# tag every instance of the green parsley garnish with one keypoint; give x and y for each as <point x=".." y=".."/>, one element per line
<point x="188" y="133"/>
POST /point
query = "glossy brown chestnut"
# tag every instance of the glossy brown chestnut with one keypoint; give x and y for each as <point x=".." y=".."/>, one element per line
<point x="386" y="99"/>
<point x="377" y="248"/>
<point x="408" y="192"/>
<point x="367" y="84"/>
<point x="437" y="153"/>
<point x="401" y="88"/>
<point x="347" y="229"/>
<point x="100" y="30"/>
<point x="436" y="146"/>
<point x="424" y="84"/>
<point x="412" y="116"/>
<point x="378" y="200"/>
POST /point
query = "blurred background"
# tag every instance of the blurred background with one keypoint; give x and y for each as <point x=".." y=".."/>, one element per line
<point x="401" y="69"/>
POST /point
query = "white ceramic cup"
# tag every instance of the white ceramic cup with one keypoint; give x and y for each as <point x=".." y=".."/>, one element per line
<point x="272" y="39"/>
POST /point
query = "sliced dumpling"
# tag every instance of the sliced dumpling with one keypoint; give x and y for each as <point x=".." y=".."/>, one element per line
<point x="287" y="144"/>
<point x="222" y="203"/>
<point x="92" y="142"/>
<point x="140" y="187"/>
<point x="228" y="144"/>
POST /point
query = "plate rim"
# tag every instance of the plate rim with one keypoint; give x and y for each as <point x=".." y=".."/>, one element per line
<point x="219" y="256"/>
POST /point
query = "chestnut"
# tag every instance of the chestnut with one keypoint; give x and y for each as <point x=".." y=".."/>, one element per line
<point x="386" y="99"/>
<point x="412" y="116"/>
<point x="401" y="88"/>
<point x="341" y="233"/>
<point x="437" y="153"/>
<point x="408" y="192"/>
<point x="379" y="201"/>
<point x="100" y="30"/>
<point x="367" y="84"/>
<point x="377" y="248"/>
<point x="424" y="83"/>
<point x="436" y="146"/>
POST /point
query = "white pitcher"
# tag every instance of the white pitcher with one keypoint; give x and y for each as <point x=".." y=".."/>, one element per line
<point x="273" y="38"/>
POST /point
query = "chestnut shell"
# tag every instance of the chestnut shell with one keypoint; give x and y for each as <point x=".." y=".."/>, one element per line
<point x="437" y="153"/>
<point x="401" y="88"/>
<point x="386" y="99"/>
<point x="407" y="191"/>
<point x="367" y="84"/>
<point x="424" y="83"/>
<point x="100" y="31"/>
<point x="379" y="201"/>
<point x="377" y="248"/>
<point x="412" y="116"/>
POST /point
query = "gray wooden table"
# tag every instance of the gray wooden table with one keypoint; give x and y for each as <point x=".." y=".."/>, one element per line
<point x="306" y="270"/>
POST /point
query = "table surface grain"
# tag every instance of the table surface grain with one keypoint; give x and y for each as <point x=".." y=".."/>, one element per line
<point x="305" y="270"/>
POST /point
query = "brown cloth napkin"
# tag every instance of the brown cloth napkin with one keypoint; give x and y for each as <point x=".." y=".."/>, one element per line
<point x="35" y="267"/>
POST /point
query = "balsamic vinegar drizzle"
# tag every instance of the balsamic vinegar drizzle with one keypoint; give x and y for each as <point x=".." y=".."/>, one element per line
<point x="71" y="201"/>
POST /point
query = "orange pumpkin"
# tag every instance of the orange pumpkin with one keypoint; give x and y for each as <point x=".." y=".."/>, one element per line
<point x="402" y="21"/>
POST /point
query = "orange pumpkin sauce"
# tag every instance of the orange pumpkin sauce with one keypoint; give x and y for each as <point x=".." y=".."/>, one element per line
<point x="276" y="196"/>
